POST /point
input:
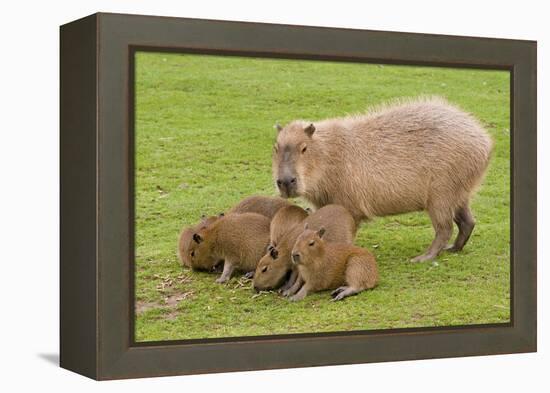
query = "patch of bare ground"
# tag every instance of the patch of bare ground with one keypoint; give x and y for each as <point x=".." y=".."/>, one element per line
<point x="173" y="300"/>
<point x="142" y="307"/>
<point x="168" y="288"/>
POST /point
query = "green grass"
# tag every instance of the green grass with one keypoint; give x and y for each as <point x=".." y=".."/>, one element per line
<point x="204" y="132"/>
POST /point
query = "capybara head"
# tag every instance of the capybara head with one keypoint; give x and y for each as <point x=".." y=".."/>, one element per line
<point x="294" y="160"/>
<point x="272" y="270"/>
<point x="186" y="238"/>
<point x="200" y="247"/>
<point x="309" y="246"/>
<point x="200" y="252"/>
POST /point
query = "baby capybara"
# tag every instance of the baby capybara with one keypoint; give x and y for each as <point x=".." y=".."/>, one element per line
<point x="274" y="267"/>
<point x="283" y="221"/>
<point x="264" y="205"/>
<point x="324" y="265"/>
<point x="423" y="154"/>
<point x="270" y="274"/>
<point x="238" y="239"/>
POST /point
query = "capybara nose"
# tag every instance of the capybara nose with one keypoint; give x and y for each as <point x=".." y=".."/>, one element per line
<point x="256" y="288"/>
<point x="286" y="182"/>
<point x="295" y="258"/>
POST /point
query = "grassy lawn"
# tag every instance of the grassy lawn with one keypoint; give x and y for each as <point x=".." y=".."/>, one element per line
<point x="204" y="133"/>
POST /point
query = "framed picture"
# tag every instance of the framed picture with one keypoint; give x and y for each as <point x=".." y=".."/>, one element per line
<point x="242" y="196"/>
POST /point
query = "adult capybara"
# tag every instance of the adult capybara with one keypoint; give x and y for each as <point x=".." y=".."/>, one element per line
<point x="264" y="205"/>
<point x="274" y="267"/>
<point x="238" y="239"/>
<point x="423" y="154"/>
<point x="325" y="265"/>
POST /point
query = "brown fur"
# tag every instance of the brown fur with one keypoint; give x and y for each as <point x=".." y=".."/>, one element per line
<point x="238" y="239"/>
<point x="324" y="265"/>
<point x="271" y="272"/>
<point x="264" y="205"/>
<point x="415" y="155"/>
<point x="285" y="219"/>
<point x="186" y="237"/>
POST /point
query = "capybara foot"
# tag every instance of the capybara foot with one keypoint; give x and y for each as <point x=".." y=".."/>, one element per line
<point x="343" y="292"/>
<point x="452" y="248"/>
<point x="337" y="291"/>
<point x="287" y="292"/>
<point x="297" y="297"/>
<point x="249" y="275"/>
<point x="423" y="258"/>
<point x="222" y="280"/>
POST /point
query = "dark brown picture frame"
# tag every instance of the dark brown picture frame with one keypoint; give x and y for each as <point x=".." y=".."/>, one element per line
<point x="97" y="196"/>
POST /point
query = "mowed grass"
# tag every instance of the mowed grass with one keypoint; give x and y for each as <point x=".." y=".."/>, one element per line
<point x="204" y="134"/>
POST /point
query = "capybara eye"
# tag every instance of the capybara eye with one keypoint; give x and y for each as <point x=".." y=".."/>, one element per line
<point x="192" y="253"/>
<point x="264" y="269"/>
<point x="304" y="149"/>
<point x="311" y="243"/>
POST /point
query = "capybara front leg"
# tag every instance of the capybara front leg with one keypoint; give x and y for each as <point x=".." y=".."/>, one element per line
<point x="443" y="226"/>
<point x="302" y="293"/>
<point x="465" y="221"/>
<point x="295" y="287"/>
<point x="291" y="280"/>
<point x="228" y="268"/>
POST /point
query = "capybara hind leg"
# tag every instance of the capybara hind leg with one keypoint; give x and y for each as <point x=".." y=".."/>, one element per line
<point x="443" y="226"/>
<point x="344" y="292"/>
<point x="361" y="273"/>
<point x="228" y="268"/>
<point x="337" y="291"/>
<point x="465" y="221"/>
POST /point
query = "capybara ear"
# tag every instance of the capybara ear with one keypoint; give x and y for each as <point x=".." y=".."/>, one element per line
<point x="310" y="129"/>
<point x="221" y="214"/>
<point x="269" y="248"/>
<point x="274" y="253"/>
<point x="278" y="127"/>
<point x="197" y="238"/>
<point x="321" y="232"/>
